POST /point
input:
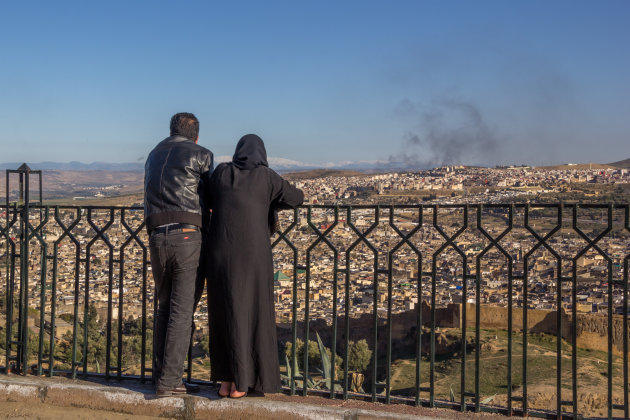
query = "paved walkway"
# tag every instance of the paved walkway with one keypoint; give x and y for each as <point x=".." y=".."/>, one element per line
<point x="31" y="397"/>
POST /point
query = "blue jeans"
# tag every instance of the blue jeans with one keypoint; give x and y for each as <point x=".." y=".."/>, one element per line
<point x="175" y="265"/>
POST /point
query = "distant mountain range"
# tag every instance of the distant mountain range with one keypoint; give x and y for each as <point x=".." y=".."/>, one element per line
<point x="287" y="165"/>
<point x="279" y="164"/>
<point x="625" y="164"/>
<point x="77" y="166"/>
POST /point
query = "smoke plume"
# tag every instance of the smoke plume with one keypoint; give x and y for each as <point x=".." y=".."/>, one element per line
<point x="446" y="133"/>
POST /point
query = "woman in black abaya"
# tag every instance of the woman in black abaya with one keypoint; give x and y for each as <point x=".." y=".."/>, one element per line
<point x="244" y="195"/>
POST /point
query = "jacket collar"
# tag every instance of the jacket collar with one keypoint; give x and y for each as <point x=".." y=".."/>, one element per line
<point x="178" y="139"/>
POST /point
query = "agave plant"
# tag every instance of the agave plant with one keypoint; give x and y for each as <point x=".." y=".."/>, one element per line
<point x="328" y="381"/>
<point x="298" y="376"/>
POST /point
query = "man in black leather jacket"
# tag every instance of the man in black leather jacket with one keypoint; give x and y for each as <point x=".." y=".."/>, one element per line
<point x="175" y="211"/>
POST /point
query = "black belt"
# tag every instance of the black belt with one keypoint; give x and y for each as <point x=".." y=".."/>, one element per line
<point x="173" y="228"/>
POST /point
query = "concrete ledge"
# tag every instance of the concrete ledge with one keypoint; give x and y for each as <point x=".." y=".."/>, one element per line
<point x="138" y="399"/>
<point x="70" y="393"/>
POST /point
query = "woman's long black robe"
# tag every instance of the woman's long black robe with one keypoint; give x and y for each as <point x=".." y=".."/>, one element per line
<point x="243" y="194"/>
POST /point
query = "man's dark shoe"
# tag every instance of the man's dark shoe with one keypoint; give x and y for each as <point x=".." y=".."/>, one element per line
<point x="182" y="389"/>
<point x="191" y="388"/>
<point x="170" y="392"/>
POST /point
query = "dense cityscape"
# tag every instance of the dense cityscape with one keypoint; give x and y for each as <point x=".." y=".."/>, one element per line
<point x="355" y="254"/>
<point x="387" y="244"/>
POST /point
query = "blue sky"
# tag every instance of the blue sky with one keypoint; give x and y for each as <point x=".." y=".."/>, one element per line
<point x="471" y="82"/>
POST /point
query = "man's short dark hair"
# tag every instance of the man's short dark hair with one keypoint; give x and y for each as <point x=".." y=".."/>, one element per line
<point x="185" y="124"/>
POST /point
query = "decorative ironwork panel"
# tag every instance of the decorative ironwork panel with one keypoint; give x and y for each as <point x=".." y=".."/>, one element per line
<point x="515" y="308"/>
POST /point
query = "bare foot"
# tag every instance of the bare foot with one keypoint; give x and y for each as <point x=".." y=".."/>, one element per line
<point x="224" y="391"/>
<point x="236" y="394"/>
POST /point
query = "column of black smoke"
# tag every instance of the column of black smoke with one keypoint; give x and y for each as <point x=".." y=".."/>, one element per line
<point x="449" y="132"/>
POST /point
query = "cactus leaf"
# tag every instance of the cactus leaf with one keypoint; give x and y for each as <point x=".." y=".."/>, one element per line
<point x="288" y="365"/>
<point x="325" y="359"/>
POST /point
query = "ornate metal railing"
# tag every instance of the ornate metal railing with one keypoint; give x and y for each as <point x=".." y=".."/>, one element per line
<point x="472" y="307"/>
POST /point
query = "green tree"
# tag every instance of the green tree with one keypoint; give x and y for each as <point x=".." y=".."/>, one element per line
<point x="359" y="355"/>
<point x="32" y="346"/>
<point x="132" y="326"/>
<point x="69" y="318"/>
<point x="96" y="345"/>
<point x="64" y="348"/>
<point x="132" y="343"/>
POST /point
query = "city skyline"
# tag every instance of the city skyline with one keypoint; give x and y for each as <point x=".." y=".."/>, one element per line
<point x="423" y="83"/>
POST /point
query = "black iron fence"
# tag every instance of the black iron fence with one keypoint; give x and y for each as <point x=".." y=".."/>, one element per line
<point x="515" y="308"/>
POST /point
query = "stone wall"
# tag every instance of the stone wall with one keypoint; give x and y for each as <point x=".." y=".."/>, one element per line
<point x="592" y="332"/>
<point x="592" y="329"/>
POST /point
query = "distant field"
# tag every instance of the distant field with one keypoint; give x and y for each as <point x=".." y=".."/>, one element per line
<point x="579" y="166"/>
<point x="127" y="200"/>
<point x="70" y="184"/>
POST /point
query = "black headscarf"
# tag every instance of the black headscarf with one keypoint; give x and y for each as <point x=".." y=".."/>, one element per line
<point x="250" y="152"/>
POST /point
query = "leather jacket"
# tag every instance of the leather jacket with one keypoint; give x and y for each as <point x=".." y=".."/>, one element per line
<point x="175" y="175"/>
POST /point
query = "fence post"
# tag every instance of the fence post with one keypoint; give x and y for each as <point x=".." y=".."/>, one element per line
<point x="22" y="211"/>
